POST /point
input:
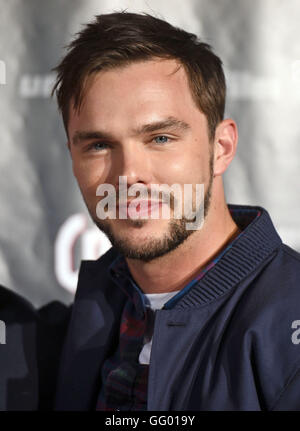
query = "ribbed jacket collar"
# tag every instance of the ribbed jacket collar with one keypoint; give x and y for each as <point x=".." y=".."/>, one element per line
<point x="258" y="241"/>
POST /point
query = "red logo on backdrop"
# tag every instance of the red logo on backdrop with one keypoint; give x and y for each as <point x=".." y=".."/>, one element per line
<point x="76" y="235"/>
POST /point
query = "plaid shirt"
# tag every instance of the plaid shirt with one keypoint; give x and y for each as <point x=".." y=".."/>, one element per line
<point x="124" y="379"/>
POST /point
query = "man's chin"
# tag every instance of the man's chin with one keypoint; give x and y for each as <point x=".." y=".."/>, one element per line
<point x="145" y="246"/>
<point x="138" y="228"/>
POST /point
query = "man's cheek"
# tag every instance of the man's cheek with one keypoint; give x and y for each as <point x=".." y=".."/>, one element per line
<point x="88" y="188"/>
<point x="85" y="177"/>
<point x="90" y="191"/>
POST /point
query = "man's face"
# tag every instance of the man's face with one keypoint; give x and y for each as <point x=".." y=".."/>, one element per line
<point x="140" y="121"/>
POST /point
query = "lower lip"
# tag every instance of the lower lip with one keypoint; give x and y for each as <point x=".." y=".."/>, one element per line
<point x="144" y="210"/>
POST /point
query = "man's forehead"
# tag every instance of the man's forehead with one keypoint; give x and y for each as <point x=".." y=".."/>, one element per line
<point x="140" y="74"/>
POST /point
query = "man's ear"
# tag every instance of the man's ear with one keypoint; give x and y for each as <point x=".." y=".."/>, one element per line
<point x="225" y="143"/>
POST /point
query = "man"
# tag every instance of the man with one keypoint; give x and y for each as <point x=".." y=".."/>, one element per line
<point x="197" y="312"/>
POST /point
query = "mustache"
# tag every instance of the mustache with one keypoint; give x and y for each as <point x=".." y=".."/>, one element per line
<point x="151" y="196"/>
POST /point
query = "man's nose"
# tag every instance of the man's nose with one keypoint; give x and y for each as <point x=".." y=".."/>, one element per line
<point x="134" y="163"/>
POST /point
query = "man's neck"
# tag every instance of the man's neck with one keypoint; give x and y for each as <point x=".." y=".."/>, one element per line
<point x="176" y="269"/>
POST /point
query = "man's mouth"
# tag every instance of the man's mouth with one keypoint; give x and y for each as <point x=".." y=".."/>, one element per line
<point x="141" y="208"/>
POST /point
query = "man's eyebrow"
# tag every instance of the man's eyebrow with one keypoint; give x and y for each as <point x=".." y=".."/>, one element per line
<point x="81" y="136"/>
<point x="168" y="123"/>
<point x="171" y="123"/>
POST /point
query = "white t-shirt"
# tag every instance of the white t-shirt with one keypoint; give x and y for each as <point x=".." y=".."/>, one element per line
<point x="156" y="301"/>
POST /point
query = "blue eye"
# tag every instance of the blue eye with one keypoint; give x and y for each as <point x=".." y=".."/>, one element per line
<point x="161" y="139"/>
<point x="98" y="146"/>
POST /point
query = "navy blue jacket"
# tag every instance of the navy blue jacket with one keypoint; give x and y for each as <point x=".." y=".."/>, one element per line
<point x="230" y="343"/>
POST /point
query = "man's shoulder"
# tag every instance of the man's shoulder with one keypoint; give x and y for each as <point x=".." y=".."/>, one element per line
<point x="268" y="317"/>
<point x="284" y="269"/>
<point x="291" y="254"/>
<point x="275" y="285"/>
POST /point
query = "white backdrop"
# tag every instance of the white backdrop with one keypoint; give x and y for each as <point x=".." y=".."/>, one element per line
<point x="45" y="230"/>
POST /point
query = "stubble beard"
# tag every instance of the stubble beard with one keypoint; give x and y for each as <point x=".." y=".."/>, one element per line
<point x="153" y="248"/>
